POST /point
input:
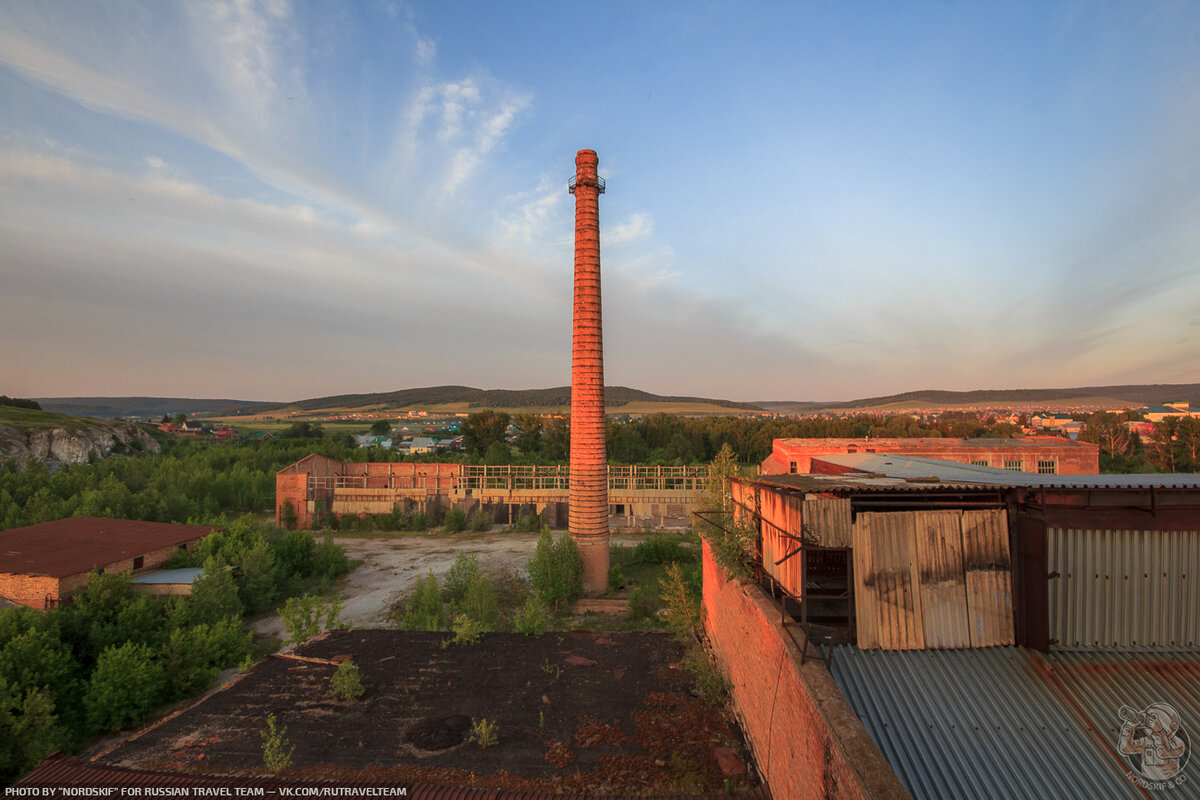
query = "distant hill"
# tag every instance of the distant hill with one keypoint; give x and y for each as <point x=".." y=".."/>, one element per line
<point x="1139" y="394"/>
<point x="147" y="407"/>
<point x="558" y="397"/>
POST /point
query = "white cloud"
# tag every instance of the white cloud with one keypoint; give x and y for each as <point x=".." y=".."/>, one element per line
<point x="638" y="226"/>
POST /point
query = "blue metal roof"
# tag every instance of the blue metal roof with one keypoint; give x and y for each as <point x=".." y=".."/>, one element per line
<point x="1007" y="722"/>
<point x="185" y="575"/>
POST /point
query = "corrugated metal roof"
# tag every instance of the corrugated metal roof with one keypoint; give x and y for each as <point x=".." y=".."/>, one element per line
<point x="184" y="575"/>
<point x="1006" y="722"/>
<point x="953" y="472"/>
<point x="863" y="484"/>
<point x="78" y="544"/>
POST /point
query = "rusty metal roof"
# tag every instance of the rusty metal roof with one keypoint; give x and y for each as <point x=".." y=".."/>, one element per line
<point x="866" y="483"/>
<point x="78" y="544"/>
<point x="1007" y="722"/>
<point x="62" y="770"/>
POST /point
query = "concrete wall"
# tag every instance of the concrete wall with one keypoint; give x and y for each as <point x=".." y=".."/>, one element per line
<point x="806" y="740"/>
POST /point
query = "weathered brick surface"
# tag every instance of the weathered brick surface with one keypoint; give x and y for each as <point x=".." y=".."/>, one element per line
<point x="806" y="739"/>
<point x="39" y="591"/>
<point x="589" y="474"/>
<point x="28" y="590"/>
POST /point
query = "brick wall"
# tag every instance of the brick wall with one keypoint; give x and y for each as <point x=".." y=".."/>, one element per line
<point x="806" y="740"/>
<point x="293" y="487"/>
<point x="33" y="590"/>
<point x="28" y="590"/>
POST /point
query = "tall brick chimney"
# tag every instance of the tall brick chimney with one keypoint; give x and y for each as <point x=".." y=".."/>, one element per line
<point x="589" y="463"/>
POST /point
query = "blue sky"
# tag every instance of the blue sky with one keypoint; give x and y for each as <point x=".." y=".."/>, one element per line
<point x="806" y="200"/>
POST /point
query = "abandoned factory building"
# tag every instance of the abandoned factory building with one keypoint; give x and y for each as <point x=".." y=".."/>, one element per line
<point x="929" y="629"/>
<point x="316" y="486"/>
<point x="1044" y="455"/>
<point x="42" y="565"/>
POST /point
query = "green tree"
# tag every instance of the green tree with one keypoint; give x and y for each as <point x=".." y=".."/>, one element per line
<point x="214" y="594"/>
<point x="1161" y="447"/>
<point x="426" y="612"/>
<point x="257" y="577"/>
<point x="556" y="569"/>
<point x="482" y="429"/>
<point x="305" y="617"/>
<point x="730" y="533"/>
<point x="346" y="683"/>
<point x="127" y="684"/>
<point x="29" y="730"/>
<point x="381" y="427"/>
<point x="497" y="454"/>
<point x="529" y="433"/>
<point x="1110" y="432"/>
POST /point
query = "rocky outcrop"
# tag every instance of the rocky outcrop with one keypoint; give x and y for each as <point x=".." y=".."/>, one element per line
<point x="74" y="444"/>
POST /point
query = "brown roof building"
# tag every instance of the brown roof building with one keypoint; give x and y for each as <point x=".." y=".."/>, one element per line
<point x="41" y="565"/>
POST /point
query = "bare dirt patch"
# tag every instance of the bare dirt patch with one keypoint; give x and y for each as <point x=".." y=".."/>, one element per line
<point x="391" y="566"/>
<point x="573" y="712"/>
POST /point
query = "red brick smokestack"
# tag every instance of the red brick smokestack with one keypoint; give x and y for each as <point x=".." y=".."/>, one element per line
<point x="589" y="464"/>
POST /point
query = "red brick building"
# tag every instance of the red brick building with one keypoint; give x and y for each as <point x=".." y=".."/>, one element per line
<point x="42" y="565"/>
<point x="1044" y="455"/>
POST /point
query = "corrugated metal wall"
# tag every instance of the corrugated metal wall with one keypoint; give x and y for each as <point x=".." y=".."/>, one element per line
<point x="932" y="579"/>
<point x="1124" y="588"/>
<point x="824" y="521"/>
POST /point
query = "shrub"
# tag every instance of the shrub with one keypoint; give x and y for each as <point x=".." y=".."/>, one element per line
<point x="415" y="521"/>
<point x="528" y="523"/>
<point x="641" y="602"/>
<point x="346" y="683"/>
<point x="127" y="684"/>
<point x="330" y="560"/>
<point x="464" y="568"/>
<point x="479" y="602"/>
<point x="681" y="595"/>
<point x="479" y="521"/>
<point x="466" y="630"/>
<point x="287" y="515"/>
<point x="214" y="595"/>
<point x="616" y="577"/>
<point x="425" y="609"/>
<point x="662" y="550"/>
<point x="277" y="751"/>
<point x="483" y="733"/>
<point x="531" y="619"/>
<point x="305" y="617"/>
<point x="556" y="569"/>
<point x="710" y="683"/>
<point x="456" y="519"/>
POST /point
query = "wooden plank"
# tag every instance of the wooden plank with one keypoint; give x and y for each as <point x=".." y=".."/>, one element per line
<point x="987" y="564"/>
<point x="943" y="590"/>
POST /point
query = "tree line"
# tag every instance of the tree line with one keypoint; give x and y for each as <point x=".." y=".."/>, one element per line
<point x="496" y="437"/>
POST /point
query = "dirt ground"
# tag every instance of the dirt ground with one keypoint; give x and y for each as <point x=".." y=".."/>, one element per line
<point x="391" y="566"/>
<point x="573" y="712"/>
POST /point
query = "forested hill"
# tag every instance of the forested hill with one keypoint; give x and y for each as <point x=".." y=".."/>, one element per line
<point x="1145" y="394"/>
<point x="491" y="398"/>
<point x="144" y="407"/>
